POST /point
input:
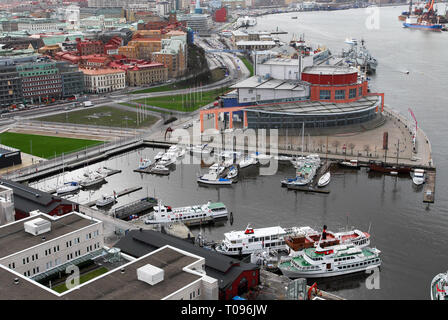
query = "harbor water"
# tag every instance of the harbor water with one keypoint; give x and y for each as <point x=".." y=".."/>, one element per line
<point x="409" y="233"/>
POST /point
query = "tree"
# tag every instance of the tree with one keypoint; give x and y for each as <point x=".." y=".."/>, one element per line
<point x="351" y="146"/>
<point x="336" y="144"/>
<point x="367" y="149"/>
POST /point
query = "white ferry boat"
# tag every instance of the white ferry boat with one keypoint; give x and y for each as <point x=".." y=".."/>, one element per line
<point x="331" y="261"/>
<point x="246" y="242"/>
<point x="209" y="212"/>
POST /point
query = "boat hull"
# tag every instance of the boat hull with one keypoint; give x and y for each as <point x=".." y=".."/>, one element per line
<point x="431" y="27"/>
<point x="324" y="274"/>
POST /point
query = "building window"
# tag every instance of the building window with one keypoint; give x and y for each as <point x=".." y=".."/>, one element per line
<point x="339" y="94"/>
<point x="325" y="95"/>
<point x="352" y="93"/>
<point x="360" y="91"/>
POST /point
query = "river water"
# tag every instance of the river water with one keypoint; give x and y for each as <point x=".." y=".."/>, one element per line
<point x="409" y="233"/>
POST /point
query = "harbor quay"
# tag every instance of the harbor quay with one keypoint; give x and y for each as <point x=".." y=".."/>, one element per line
<point x="362" y="142"/>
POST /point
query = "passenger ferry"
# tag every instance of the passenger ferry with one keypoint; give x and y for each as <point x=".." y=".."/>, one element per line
<point x="245" y="242"/>
<point x="209" y="212"/>
<point x="300" y="241"/>
<point x="327" y="262"/>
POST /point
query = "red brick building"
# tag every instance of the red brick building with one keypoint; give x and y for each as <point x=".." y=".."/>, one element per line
<point x="89" y="47"/>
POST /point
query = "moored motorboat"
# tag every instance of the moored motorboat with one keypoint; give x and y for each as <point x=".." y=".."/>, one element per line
<point x="418" y="176"/>
<point x="160" y="169"/>
<point x="324" y="180"/>
<point x="93" y="179"/>
<point x="354" y="164"/>
<point x="213" y="178"/>
<point x="232" y="173"/>
<point x="144" y="163"/>
<point x="68" y="187"/>
<point x="105" y="200"/>
<point x="247" y="161"/>
<point x="159" y="156"/>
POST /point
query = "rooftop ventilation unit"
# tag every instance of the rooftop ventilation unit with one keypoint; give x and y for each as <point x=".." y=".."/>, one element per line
<point x="150" y="274"/>
<point x="37" y="226"/>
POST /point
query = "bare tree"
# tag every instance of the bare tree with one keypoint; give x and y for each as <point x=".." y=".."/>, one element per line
<point x="351" y="146"/>
<point x="367" y="149"/>
<point x="336" y="144"/>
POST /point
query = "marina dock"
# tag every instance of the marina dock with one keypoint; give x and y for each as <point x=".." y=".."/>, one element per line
<point x="134" y="208"/>
<point x="273" y="286"/>
<point x="313" y="186"/>
<point x="430" y="187"/>
<point x="118" y="194"/>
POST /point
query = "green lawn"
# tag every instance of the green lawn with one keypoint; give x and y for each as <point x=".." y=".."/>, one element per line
<point x="102" y="116"/>
<point x="44" y="146"/>
<point x="147" y="108"/>
<point x="84" y="278"/>
<point x="185" y="102"/>
<point x="248" y="65"/>
<point x="216" y="75"/>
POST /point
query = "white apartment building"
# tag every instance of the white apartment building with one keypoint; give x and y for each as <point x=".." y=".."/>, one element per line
<point x="40" y="243"/>
<point x="104" y="80"/>
<point x="37" y="25"/>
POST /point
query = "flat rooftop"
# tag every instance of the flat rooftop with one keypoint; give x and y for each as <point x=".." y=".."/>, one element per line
<point x="263" y="83"/>
<point x="329" y="69"/>
<point x="112" y="285"/>
<point x="319" y="107"/>
<point x="13" y="237"/>
<point x="118" y="285"/>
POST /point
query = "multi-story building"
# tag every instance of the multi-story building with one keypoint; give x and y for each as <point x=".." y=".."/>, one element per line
<point x="113" y="3"/>
<point x="37" y="25"/>
<point x="141" y="48"/>
<point x="41" y="81"/>
<point x="104" y="80"/>
<point x="90" y="47"/>
<point x="145" y="74"/>
<point x="199" y="23"/>
<point x="10" y="86"/>
<point x="38" y="244"/>
<point x="173" y="55"/>
<point x="6" y="205"/>
<point x="72" y="79"/>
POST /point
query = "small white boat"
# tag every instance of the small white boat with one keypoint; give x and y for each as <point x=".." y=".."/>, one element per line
<point x="213" y="178"/>
<point x="105" y="200"/>
<point x="201" y="149"/>
<point x="159" y="156"/>
<point x="247" y="161"/>
<point x="160" y="169"/>
<point x="350" y="164"/>
<point x="324" y="180"/>
<point x="283" y="158"/>
<point x="232" y="173"/>
<point x="168" y="159"/>
<point x="418" y="176"/>
<point x="93" y="179"/>
<point x="216" y="167"/>
<point x="68" y="187"/>
<point x="144" y="163"/>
